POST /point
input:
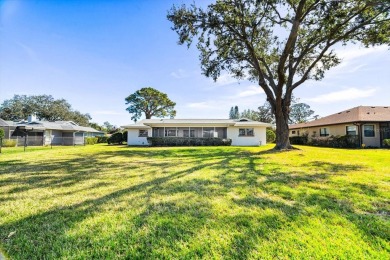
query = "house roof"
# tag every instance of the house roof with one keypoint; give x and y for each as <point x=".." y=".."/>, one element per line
<point x="57" y="125"/>
<point x="3" y="122"/>
<point x="353" y="115"/>
<point x="147" y="123"/>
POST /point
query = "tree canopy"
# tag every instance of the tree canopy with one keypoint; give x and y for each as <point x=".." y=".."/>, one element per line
<point x="234" y="113"/>
<point x="150" y="102"/>
<point x="279" y="44"/>
<point x="299" y="113"/>
<point x="45" y="107"/>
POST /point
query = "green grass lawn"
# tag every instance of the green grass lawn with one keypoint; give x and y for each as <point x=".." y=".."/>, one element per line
<point x="194" y="202"/>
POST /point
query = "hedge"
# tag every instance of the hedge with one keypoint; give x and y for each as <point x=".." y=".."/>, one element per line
<point x="185" y="141"/>
<point x="298" y="140"/>
<point x="116" y="138"/>
<point x="102" y="139"/>
<point x="271" y="136"/>
<point x="9" y="142"/>
<point x="386" y="143"/>
<point x="346" y="141"/>
<point x="91" y="140"/>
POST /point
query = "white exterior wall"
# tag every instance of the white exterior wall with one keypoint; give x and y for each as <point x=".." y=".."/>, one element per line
<point x="134" y="139"/>
<point x="259" y="137"/>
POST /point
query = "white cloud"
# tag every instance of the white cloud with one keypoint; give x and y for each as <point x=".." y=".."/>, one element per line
<point x="179" y="74"/>
<point x="200" y="105"/>
<point x="252" y="90"/>
<point x="226" y="79"/>
<point x="343" y="95"/>
<point x="28" y="50"/>
<point x="350" y="53"/>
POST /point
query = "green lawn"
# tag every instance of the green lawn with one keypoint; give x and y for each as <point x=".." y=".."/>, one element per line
<point x="194" y="202"/>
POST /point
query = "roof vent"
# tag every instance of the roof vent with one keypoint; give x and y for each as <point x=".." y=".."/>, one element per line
<point x="386" y="107"/>
<point x="368" y="113"/>
<point x="372" y="107"/>
<point x="339" y="113"/>
<point x="348" y="111"/>
<point x="243" y="120"/>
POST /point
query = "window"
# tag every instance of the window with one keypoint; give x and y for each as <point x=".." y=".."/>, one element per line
<point x="143" y="133"/>
<point x="324" y="132"/>
<point x="245" y="132"/>
<point x="208" y="132"/>
<point x="369" y="131"/>
<point x="351" y="130"/>
<point x="293" y="132"/>
<point x="185" y="133"/>
<point x="170" y="132"/>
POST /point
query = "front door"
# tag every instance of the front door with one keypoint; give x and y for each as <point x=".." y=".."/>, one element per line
<point x="385" y="131"/>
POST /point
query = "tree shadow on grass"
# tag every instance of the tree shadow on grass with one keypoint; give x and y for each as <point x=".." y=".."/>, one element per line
<point x="162" y="229"/>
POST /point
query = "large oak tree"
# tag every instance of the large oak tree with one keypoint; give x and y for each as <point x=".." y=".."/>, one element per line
<point x="150" y="102"/>
<point x="279" y="44"/>
<point x="44" y="106"/>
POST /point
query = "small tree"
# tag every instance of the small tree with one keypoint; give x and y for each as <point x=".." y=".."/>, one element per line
<point x="151" y="102"/>
<point x="236" y="113"/>
<point x="231" y="113"/>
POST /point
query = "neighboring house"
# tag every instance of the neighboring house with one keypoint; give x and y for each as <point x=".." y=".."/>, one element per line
<point x="242" y="132"/>
<point x="370" y="123"/>
<point x="47" y="133"/>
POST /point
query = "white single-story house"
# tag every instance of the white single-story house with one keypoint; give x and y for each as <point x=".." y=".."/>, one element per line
<point x="47" y="133"/>
<point x="370" y="124"/>
<point x="242" y="132"/>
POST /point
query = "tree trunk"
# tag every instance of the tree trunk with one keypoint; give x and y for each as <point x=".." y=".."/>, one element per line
<point x="282" y="131"/>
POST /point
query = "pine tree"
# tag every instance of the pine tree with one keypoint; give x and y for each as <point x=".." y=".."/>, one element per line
<point x="231" y="114"/>
<point x="236" y="113"/>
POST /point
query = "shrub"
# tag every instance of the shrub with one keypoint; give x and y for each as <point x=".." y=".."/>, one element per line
<point x="116" y="138"/>
<point x="271" y="136"/>
<point x="185" y="141"/>
<point x="124" y="136"/>
<point x="102" y="139"/>
<point x="346" y="141"/>
<point x="91" y="140"/>
<point x="386" y="143"/>
<point x="9" y="142"/>
<point x="2" y="134"/>
<point x="298" y="139"/>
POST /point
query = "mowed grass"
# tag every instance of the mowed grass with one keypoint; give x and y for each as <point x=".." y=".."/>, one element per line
<point x="110" y="202"/>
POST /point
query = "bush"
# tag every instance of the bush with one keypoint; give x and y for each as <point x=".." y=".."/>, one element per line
<point x="271" y="136"/>
<point x="185" y="141"/>
<point x="386" y="143"/>
<point x="102" y="139"/>
<point x="302" y="140"/>
<point x="346" y="141"/>
<point x="2" y="134"/>
<point x="124" y="136"/>
<point x="9" y="142"/>
<point x="116" y="138"/>
<point x="91" y="140"/>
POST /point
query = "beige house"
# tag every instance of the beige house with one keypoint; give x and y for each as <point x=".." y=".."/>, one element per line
<point x="370" y="123"/>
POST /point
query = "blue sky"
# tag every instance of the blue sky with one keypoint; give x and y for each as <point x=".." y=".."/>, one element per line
<point x="96" y="53"/>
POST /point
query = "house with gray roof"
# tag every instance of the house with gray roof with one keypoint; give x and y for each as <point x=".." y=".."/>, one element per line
<point x="242" y="132"/>
<point x="371" y="124"/>
<point x="47" y="133"/>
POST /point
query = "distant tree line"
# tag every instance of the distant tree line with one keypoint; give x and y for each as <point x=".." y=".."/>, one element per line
<point x="299" y="113"/>
<point x="45" y="107"/>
